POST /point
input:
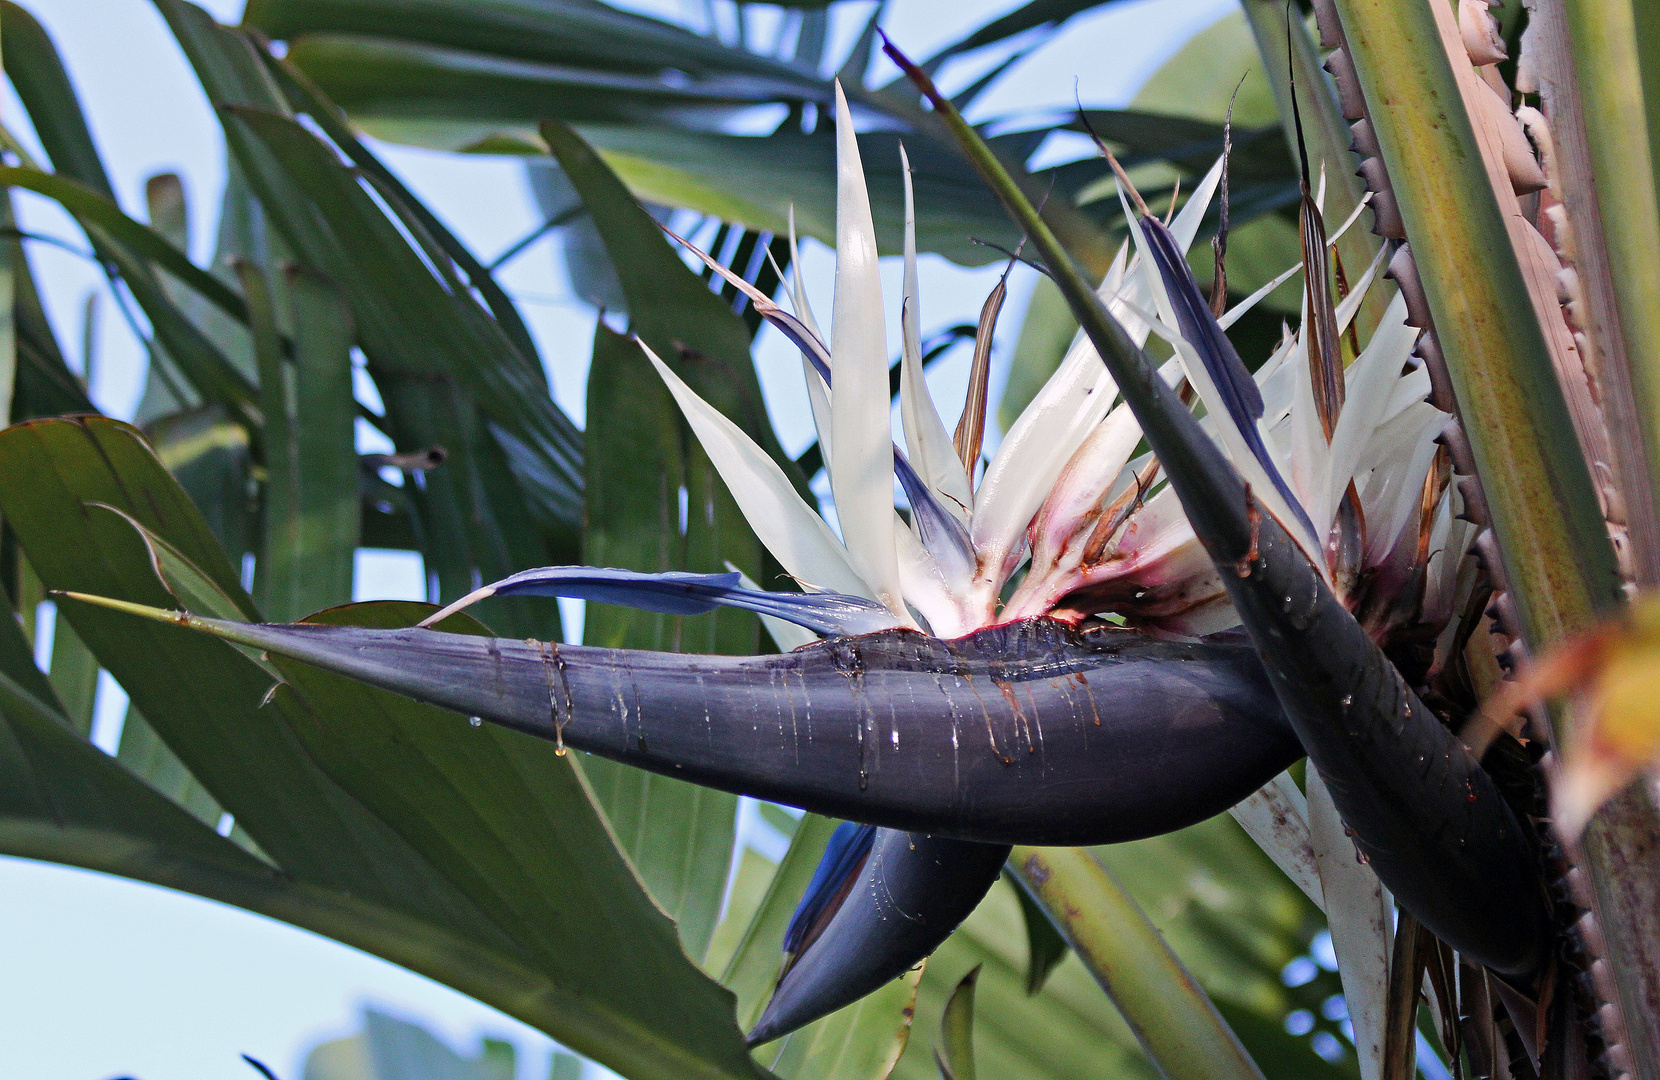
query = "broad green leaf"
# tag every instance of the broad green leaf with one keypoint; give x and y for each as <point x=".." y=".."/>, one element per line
<point x="192" y="590"/>
<point x="756" y="180"/>
<point x="305" y="97"/>
<point x="775" y="815"/>
<point x="392" y="1049"/>
<point x="372" y="76"/>
<point x="74" y="675"/>
<point x="128" y="247"/>
<point x="663" y="508"/>
<point x="242" y="234"/>
<point x="678" y="835"/>
<point x="750" y="880"/>
<point x="17" y="655"/>
<point x="147" y="757"/>
<point x="482" y="846"/>
<point x="636" y="471"/>
<point x="94" y="208"/>
<point x="204" y="702"/>
<point x="140" y="749"/>
<point x="45" y="89"/>
<point x="42" y="383"/>
<point x="752" y="971"/>
<point x="407" y="320"/>
<point x="1045" y="947"/>
<point x="210" y="457"/>
<point x="671" y="308"/>
<point x="63" y="795"/>
<point x="1067" y="1031"/>
<point x="954" y="1051"/>
<point x="1172" y="1017"/>
<point x="193" y="354"/>
<point x="413" y="317"/>
<point x="11" y="255"/>
<point x="566" y="32"/>
<point x="37" y="74"/>
<point x="509" y="820"/>
<point x="475" y="525"/>
<point x="311" y="504"/>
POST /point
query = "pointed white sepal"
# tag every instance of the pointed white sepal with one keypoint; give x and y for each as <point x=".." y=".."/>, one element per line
<point x="794" y="533"/>
<point x="861" y="443"/>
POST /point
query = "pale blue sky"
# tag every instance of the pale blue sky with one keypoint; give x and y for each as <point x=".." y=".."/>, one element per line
<point x="100" y="977"/>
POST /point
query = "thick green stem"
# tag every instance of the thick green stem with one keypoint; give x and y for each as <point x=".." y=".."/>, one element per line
<point x="1172" y="1017"/>
<point x="1544" y="510"/>
<point x="1613" y="49"/>
<point x="1603" y="41"/>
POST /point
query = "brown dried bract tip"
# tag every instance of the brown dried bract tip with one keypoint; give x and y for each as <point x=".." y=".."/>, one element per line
<point x="1117" y="169"/>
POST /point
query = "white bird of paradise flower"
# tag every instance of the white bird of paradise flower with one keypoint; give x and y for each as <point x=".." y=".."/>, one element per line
<point x="1048" y="498"/>
<point x="1062" y="499"/>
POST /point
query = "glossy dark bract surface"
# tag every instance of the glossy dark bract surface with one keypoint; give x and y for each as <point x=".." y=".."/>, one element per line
<point x="910" y="892"/>
<point x="1024" y="733"/>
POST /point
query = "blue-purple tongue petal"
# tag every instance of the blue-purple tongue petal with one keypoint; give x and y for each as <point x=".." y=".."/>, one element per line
<point x="678" y="592"/>
<point x="941" y="532"/>
<point x="843" y="857"/>
<point x="1196" y="322"/>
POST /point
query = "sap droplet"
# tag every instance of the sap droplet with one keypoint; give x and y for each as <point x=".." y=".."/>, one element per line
<point x="1348" y="699"/>
<point x="896" y="736"/>
<point x="475" y="721"/>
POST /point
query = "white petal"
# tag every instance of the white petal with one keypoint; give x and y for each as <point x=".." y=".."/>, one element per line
<point x="1070" y="406"/>
<point x="1359" y="913"/>
<point x="1276" y="817"/>
<point x="818" y="398"/>
<point x="1350" y="304"/>
<point x="1030" y="458"/>
<point x="926" y="441"/>
<point x="861" y="448"/>
<point x="1233" y="314"/>
<point x="1369" y="382"/>
<point x="1394" y="489"/>
<point x="798" y="285"/>
<point x="1354" y="216"/>
<point x="1186" y="225"/>
<point x="1084" y="481"/>
<point x="1412" y="388"/>
<point x="927" y="590"/>
<point x="1310" y="463"/>
<point x="792" y="531"/>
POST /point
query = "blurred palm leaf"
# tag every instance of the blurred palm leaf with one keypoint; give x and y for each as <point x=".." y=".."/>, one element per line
<point x="660" y="101"/>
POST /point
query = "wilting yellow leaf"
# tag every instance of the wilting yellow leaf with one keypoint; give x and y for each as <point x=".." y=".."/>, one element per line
<point x="1615" y="673"/>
